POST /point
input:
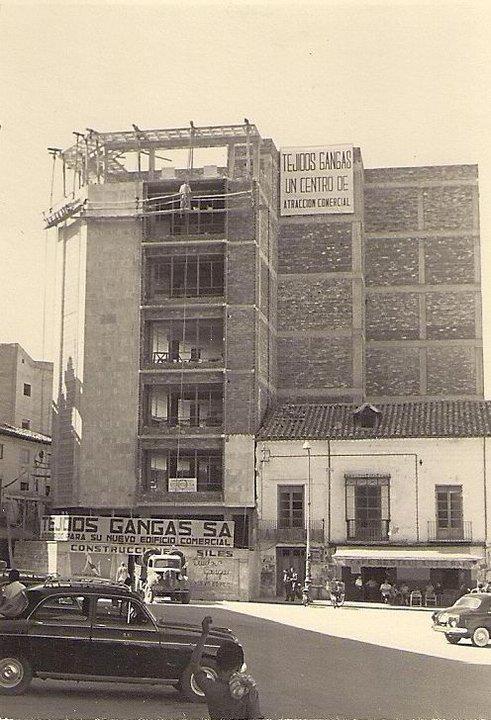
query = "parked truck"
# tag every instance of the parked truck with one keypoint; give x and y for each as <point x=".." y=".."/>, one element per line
<point x="163" y="577"/>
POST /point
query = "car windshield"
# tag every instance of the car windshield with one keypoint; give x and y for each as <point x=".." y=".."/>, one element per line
<point x="468" y="601"/>
<point x="168" y="562"/>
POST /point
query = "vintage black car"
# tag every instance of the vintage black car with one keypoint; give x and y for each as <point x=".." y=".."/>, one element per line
<point x="99" y="632"/>
<point x="469" y="617"/>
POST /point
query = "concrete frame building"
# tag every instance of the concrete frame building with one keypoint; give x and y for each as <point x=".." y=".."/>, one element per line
<point x="186" y="315"/>
<point x="167" y="345"/>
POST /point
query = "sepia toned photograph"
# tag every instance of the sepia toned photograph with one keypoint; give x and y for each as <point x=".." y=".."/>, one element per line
<point x="245" y="360"/>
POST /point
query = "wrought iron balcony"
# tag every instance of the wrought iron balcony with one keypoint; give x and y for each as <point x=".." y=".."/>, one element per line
<point x="367" y="531"/>
<point x="462" y="532"/>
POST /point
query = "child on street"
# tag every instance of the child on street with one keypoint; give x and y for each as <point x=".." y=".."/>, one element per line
<point x="233" y="694"/>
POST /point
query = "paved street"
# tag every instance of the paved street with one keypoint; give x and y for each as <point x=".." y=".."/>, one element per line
<point x="310" y="663"/>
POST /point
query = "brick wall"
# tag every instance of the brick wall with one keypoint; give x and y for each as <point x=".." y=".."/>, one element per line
<point x="240" y="338"/>
<point x="391" y="209"/>
<point x="391" y="261"/>
<point x="449" y="260"/>
<point x="313" y="362"/>
<point x="426" y="221"/>
<point x="241" y="404"/>
<point x="450" y="315"/>
<point x="313" y="303"/>
<point x="241" y="274"/>
<point x="392" y="371"/>
<point x="448" y="208"/>
<point x="392" y="316"/>
<point x="240" y="218"/>
<point x="309" y="247"/>
<point x="451" y="371"/>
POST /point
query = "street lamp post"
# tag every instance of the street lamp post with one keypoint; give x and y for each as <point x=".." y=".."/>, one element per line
<point x="308" y="573"/>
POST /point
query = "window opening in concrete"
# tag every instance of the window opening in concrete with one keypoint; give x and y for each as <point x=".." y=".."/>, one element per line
<point x="191" y="405"/>
<point x="164" y="467"/>
<point x="204" y="214"/>
<point x="198" y="341"/>
<point x="26" y="424"/>
<point x="27" y="389"/>
<point x="196" y="276"/>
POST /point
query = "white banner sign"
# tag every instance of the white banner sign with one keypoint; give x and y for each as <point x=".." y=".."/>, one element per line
<point x="316" y="180"/>
<point x="109" y="532"/>
<point x="183" y="485"/>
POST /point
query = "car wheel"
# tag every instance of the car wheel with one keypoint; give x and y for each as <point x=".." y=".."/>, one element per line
<point x="452" y="639"/>
<point x="480" y="637"/>
<point x="15" y="675"/>
<point x="188" y="684"/>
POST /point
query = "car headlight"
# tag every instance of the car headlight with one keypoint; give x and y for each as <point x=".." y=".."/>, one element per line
<point x="453" y="622"/>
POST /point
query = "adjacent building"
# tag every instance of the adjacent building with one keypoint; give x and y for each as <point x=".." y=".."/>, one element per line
<point x="25" y="484"/>
<point x="399" y="491"/>
<point x="25" y="389"/>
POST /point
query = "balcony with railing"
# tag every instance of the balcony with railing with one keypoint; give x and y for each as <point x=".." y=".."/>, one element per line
<point x="185" y="477"/>
<point x="455" y="532"/>
<point x="175" y="409"/>
<point x="271" y="531"/>
<point x="199" y="211"/>
<point x="191" y="344"/>
<point x="367" y="531"/>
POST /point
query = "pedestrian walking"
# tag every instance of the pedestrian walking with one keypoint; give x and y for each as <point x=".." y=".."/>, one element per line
<point x="287" y="584"/>
<point x="233" y="694"/>
<point x="294" y="585"/>
<point x="121" y="574"/>
<point x="359" y="588"/>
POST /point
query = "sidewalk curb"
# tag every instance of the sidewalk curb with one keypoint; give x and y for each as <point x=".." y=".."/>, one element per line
<point x="350" y="603"/>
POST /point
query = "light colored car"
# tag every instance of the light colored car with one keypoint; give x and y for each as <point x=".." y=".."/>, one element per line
<point x="166" y="579"/>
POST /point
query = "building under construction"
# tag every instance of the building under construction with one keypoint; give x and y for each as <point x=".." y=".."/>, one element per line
<point x="190" y="304"/>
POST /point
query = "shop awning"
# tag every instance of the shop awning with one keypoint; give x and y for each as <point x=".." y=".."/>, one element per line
<point x="438" y="557"/>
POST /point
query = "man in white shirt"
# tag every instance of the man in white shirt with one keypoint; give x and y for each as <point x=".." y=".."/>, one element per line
<point x="185" y="195"/>
<point x="13" y="600"/>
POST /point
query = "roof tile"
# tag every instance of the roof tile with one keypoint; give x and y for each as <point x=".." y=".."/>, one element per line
<point x="436" y="418"/>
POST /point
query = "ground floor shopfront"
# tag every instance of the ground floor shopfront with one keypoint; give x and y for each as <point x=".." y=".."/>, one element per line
<point x="453" y="568"/>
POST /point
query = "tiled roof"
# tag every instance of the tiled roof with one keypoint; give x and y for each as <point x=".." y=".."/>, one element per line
<point x="441" y="418"/>
<point x="23" y="434"/>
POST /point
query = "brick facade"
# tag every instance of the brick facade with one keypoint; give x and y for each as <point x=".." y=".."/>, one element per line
<point x="392" y="316"/>
<point x="313" y="362"/>
<point x="422" y="240"/>
<point x="392" y="371"/>
<point x="315" y="248"/>
<point x="314" y="303"/>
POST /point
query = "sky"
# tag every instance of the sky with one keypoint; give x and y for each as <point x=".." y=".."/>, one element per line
<point x="408" y="82"/>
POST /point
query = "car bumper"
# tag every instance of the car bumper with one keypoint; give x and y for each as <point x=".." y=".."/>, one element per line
<point x="448" y="630"/>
